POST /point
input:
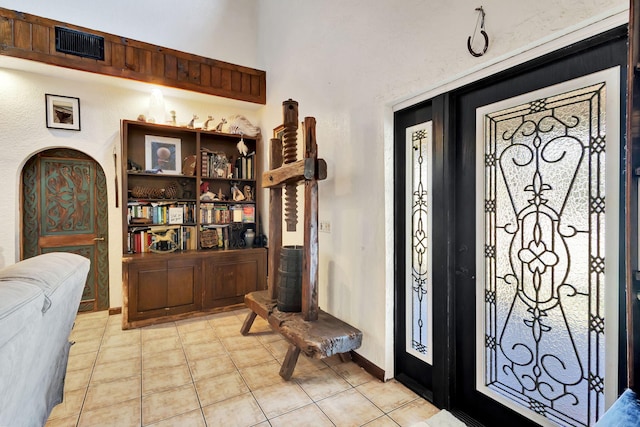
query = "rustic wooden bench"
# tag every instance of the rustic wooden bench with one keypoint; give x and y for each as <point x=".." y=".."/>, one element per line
<point x="324" y="337"/>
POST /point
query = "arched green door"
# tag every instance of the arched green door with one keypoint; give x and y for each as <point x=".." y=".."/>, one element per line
<point x="64" y="209"/>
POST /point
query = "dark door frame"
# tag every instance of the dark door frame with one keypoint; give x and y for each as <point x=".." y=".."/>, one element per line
<point x="445" y="393"/>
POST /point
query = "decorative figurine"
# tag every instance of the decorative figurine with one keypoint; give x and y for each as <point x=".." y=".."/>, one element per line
<point x="240" y="124"/>
<point x="236" y="193"/>
<point x="222" y="123"/>
<point x="248" y="194"/>
<point x="173" y="117"/>
<point x="163" y="241"/>
<point x="242" y="147"/>
<point x="192" y="122"/>
<point x="206" y="123"/>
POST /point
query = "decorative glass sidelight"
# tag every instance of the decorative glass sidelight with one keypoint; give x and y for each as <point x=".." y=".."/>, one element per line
<point x="418" y="279"/>
<point x="546" y="231"/>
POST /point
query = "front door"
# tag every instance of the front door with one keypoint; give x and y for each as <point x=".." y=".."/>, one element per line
<point x="537" y="229"/>
<point x="508" y="247"/>
<point x="64" y="208"/>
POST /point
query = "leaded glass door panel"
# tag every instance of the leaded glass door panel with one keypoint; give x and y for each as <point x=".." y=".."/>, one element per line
<point x="547" y="170"/>
<point x="413" y="181"/>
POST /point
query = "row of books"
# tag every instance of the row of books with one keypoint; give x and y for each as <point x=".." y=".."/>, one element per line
<point x="218" y="165"/>
<point x="161" y="239"/>
<point x="215" y="164"/>
<point x="245" y="167"/>
<point x="175" y="213"/>
<point x="212" y="213"/>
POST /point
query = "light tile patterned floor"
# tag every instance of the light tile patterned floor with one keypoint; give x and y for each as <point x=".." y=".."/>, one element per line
<point x="203" y="372"/>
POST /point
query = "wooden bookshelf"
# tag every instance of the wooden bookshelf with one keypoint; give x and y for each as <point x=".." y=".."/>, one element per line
<point x="188" y="198"/>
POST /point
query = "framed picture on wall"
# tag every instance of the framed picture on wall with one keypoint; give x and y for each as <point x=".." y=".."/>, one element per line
<point x="163" y="154"/>
<point x="63" y="112"/>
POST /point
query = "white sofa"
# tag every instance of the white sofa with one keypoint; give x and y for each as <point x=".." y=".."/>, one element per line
<point x="39" y="299"/>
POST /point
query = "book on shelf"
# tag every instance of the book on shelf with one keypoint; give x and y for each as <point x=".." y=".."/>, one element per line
<point x="243" y="213"/>
<point x="245" y="166"/>
<point x="204" y="163"/>
<point x="176" y="215"/>
<point x="161" y="213"/>
<point x="216" y="164"/>
<point x="212" y="213"/>
<point x="248" y="213"/>
<point x="237" y="213"/>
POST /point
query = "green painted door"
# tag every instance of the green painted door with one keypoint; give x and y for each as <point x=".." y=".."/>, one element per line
<point x="64" y="209"/>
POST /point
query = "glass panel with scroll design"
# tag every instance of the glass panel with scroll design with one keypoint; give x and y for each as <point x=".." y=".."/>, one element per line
<point x="541" y="254"/>
<point x="418" y="279"/>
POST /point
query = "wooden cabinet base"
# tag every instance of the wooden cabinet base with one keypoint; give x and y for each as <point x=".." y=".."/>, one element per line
<point x="160" y="288"/>
<point x="174" y="318"/>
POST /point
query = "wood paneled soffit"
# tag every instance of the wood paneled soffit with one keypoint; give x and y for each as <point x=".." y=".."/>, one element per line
<point x="32" y="37"/>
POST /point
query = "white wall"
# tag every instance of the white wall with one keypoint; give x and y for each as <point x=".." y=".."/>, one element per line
<point x="347" y="63"/>
<point x="220" y="29"/>
<point x="102" y="105"/>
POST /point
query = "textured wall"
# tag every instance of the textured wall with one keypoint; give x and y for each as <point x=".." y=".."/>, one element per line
<point x="102" y="105"/>
<point x="347" y="63"/>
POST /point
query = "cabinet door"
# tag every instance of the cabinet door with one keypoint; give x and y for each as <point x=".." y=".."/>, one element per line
<point x="183" y="285"/>
<point x="229" y="276"/>
<point x="161" y="288"/>
<point x="147" y="289"/>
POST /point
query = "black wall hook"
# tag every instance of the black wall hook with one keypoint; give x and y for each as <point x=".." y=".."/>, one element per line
<point x="482" y="32"/>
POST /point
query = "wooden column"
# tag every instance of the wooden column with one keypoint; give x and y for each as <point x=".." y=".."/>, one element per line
<point x="310" y="263"/>
<point x="275" y="222"/>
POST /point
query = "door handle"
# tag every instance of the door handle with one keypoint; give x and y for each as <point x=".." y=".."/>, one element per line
<point x="462" y="271"/>
<point x="98" y="239"/>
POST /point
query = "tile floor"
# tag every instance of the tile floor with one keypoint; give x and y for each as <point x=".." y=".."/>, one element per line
<point x="203" y="372"/>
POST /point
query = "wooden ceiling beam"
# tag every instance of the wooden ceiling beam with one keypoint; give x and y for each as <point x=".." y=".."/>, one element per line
<point x="32" y="37"/>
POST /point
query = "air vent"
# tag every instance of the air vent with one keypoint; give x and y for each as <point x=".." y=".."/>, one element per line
<point x="79" y="43"/>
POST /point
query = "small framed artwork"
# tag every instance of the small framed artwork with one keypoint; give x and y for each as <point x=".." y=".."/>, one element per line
<point x="279" y="132"/>
<point x="163" y="154"/>
<point x="63" y="112"/>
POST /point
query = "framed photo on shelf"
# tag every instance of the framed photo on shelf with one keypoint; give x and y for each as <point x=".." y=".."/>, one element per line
<point x="163" y="154"/>
<point x="63" y="112"/>
<point x="279" y="132"/>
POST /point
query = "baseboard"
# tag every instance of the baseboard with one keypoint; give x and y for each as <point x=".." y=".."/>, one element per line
<point x="115" y="310"/>
<point x="368" y="365"/>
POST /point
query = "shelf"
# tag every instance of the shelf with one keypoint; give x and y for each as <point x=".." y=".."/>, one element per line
<point x="211" y="178"/>
<point x="163" y="201"/>
<point x="229" y="202"/>
<point x="202" y="274"/>
<point x="185" y="224"/>
<point x="165" y="175"/>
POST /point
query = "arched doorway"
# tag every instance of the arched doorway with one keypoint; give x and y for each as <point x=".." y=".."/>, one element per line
<point x="64" y="209"/>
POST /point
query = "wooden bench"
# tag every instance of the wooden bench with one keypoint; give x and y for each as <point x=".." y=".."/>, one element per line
<point x="321" y="338"/>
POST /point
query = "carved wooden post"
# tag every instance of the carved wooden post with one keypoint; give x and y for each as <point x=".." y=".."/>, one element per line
<point x="290" y="147"/>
